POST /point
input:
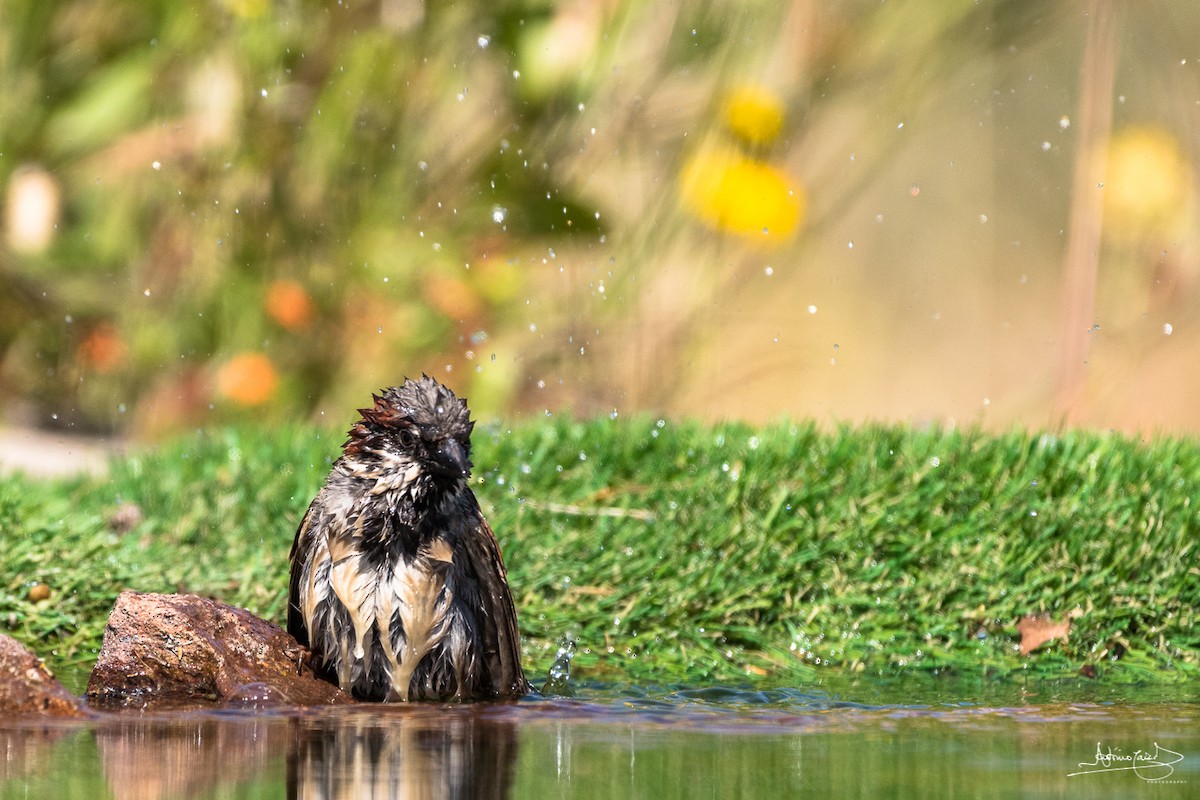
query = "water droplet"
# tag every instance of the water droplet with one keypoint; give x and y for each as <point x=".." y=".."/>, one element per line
<point x="498" y="214"/>
<point x="1168" y="329"/>
<point x="156" y="165"/>
<point x="559" y="674"/>
<point x="1064" y="122"/>
<point x="483" y="41"/>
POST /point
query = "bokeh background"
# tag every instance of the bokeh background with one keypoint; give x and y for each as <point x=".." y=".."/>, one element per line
<point x="962" y="212"/>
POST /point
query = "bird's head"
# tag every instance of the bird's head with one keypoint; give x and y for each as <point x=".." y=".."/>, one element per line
<point x="419" y="422"/>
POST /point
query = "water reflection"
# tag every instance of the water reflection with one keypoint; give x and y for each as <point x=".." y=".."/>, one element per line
<point x="435" y="753"/>
<point x="148" y="758"/>
<point x="625" y="742"/>
<point x="27" y="752"/>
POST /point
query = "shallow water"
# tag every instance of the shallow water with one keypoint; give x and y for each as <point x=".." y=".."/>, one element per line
<point x="871" y="740"/>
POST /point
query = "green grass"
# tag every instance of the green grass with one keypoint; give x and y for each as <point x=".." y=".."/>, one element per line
<point x="675" y="552"/>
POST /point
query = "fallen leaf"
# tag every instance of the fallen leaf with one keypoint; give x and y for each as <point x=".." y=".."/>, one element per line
<point x="1038" y="629"/>
<point x="125" y="518"/>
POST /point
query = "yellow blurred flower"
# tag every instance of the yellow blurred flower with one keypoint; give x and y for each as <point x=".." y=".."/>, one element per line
<point x="248" y="9"/>
<point x="288" y="303"/>
<point x="1147" y="180"/>
<point x="248" y="379"/>
<point x="731" y="192"/>
<point x="754" y="114"/>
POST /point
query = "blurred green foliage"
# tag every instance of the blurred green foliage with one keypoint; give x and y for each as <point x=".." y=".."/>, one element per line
<point x="360" y="155"/>
<point x="243" y="208"/>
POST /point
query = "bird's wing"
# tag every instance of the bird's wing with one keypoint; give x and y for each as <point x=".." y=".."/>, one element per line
<point x="301" y="547"/>
<point x="501" y="639"/>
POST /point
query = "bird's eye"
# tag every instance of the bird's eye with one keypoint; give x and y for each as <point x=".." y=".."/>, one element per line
<point x="407" y="438"/>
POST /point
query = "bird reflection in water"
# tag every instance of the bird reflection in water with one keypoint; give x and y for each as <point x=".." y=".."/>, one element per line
<point x="402" y="752"/>
<point x="429" y="751"/>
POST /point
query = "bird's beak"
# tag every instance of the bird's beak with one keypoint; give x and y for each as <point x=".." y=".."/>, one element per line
<point x="452" y="460"/>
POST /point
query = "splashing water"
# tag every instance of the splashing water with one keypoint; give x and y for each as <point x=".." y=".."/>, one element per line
<point x="558" y="678"/>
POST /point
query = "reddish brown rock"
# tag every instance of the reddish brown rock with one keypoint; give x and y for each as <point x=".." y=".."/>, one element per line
<point x="27" y="687"/>
<point x="172" y="650"/>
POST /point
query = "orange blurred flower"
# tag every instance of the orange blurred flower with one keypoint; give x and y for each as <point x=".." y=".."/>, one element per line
<point x="102" y="349"/>
<point x="289" y="304"/>
<point x="248" y="379"/>
<point x="735" y="193"/>
<point x="454" y="298"/>
<point x="754" y="113"/>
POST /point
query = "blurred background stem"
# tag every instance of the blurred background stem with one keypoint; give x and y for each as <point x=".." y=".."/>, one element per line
<point x="1094" y="120"/>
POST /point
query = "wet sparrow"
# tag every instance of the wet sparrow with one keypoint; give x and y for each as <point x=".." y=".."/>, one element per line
<point x="397" y="584"/>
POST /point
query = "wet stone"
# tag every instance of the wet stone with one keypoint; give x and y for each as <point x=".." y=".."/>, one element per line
<point x="28" y="688"/>
<point x="173" y="651"/>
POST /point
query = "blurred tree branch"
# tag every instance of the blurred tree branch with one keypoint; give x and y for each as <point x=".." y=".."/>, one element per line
<point x="1082" y="258"/>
